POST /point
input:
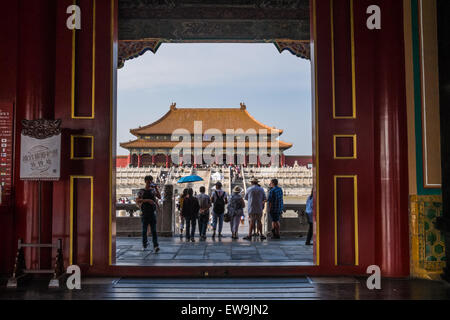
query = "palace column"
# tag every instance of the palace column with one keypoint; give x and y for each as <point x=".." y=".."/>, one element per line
<point x="258" y="161"/>
<point x="139" y="160"/>
<point x="129" y="160"/>
<point x="153" y="159"/>
<point x="35" y="99"/>
<point x="390" y="136"/>
<point x="167" y="160"/>
<point x="282" y="160"/>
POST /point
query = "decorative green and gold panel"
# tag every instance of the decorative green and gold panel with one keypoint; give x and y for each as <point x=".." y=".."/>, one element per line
<point x="427" y="243"/>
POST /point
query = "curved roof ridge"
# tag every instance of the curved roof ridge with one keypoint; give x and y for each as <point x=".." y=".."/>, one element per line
<point x="132" y="131"/>
<point x="285" y="143"/>
<point x="260" y="123"/>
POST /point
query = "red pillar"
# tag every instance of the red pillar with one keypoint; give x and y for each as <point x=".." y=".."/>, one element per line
<point x="153" y="159"/>
<point x="167" y="160"/>
<point x="259" y="162"/>
<point x="129" y="160"/>
<point x="282" y="160"/>
<point x="390" y="148"/>
<point x="139" y="160"/>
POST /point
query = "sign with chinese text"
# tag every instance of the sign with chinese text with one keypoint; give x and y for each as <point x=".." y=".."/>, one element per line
<point x="40" y="152"/>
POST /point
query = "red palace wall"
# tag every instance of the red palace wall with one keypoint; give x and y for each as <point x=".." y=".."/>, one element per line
<point x="45" y="73"/>
<point x="122" y="161"/>
<point x="301" y="160"/>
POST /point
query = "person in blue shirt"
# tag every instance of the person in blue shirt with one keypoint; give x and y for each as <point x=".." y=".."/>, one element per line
<point x="309" y="214"/>
<point x="275" y="200"/>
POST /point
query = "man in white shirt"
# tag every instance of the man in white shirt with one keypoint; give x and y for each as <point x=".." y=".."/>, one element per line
<point x="256" y="199"/>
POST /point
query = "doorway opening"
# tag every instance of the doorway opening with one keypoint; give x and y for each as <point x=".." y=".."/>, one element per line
<point x="226" y="112"/>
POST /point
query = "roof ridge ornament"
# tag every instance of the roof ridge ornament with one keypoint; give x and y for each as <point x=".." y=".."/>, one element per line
<point x="243" y="106"/>
<point x="173" y="106"/>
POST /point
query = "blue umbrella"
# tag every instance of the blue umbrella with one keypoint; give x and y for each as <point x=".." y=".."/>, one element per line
<point x="193" y="178"/>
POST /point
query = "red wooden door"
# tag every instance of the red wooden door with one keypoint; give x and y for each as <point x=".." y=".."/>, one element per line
<point x="83" y="202"/>
<point x="360" y="123"/>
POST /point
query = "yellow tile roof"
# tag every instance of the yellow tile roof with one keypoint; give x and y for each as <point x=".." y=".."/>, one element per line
<point x="212" y="118"/>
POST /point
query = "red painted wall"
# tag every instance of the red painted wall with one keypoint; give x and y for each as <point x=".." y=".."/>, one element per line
<point x="122" y="162"/>
<point x="301" y="160"/>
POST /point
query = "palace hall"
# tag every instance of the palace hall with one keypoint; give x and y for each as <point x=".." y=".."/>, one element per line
<point x="154" y="143"/>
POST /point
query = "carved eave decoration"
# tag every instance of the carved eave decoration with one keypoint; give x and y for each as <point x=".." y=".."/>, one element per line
<point x="130" y="49"/>
<point x="299" y="48"/>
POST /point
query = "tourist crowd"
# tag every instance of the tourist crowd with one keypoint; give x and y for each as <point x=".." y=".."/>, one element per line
<point x="230" y="208"/>
<point x="196" y="210"/>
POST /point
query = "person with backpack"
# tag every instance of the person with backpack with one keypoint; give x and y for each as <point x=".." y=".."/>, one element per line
<point x="203" y="217"/>
<point x="236" y="211"/>
<point x="219" y="198"/>
<point x="146" y="199"/>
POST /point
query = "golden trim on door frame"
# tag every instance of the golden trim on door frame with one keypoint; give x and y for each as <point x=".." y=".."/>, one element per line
<point x="333" y="74"/>
<point x="91" y="258"/>
<point x="355" y="155"/>
<point x="92" y="116"/>
<point x="316" y="120"/>
<point x="113" y="67"/>
<point x="355" y="195"/>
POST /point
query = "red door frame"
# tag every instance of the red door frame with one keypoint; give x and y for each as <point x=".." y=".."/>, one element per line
<point x="369" y="69"/>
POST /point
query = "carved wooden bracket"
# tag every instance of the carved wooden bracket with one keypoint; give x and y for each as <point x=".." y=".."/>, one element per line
<point x="130" y="49"/>
<point x="298" y="48"/>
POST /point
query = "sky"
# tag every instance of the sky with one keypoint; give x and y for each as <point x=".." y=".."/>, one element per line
<point x="276" y="88"/>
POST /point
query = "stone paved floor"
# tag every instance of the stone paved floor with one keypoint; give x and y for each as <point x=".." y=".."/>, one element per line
<point x="225" y="251"/>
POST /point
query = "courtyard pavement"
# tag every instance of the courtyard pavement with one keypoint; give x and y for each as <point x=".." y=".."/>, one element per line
<point x="224" y="251"/>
